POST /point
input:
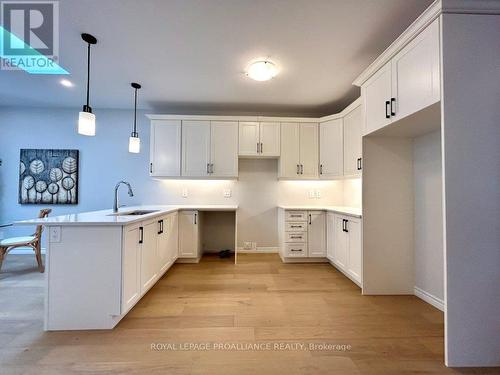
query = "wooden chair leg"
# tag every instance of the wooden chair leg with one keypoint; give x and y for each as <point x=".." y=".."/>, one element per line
<point x="38" y="255"/>
<point x="3" y="252"/>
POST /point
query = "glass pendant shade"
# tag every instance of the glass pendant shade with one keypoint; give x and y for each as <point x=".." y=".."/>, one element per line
<point x="86" y="123"/>
<point x="134" y="144"/>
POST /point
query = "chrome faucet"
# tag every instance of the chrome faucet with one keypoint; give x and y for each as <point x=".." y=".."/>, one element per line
<point x="130" y="194"/>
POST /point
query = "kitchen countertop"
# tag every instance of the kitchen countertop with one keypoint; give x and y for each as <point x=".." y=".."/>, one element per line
<point x="106" y="217"/>
<point x="350" y="211"/>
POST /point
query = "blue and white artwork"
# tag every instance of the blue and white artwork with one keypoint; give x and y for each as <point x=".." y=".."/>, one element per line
<point x="48" y="176"/>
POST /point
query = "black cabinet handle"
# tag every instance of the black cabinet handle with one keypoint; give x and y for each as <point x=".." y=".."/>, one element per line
<point x="141" y="234"/>
<point x="159" y="226"/>
<point x="150" y="167"/>
<point x="344" y="225"/>
<point x="310" y="219"/>
<point x="261" y="147"/>
<point x="195" y="217"/>
<point x="393" y="109"/>
<point x="298" y="169"/>
<point x="321" y="169"/>
<point x="359" y="164"/>
<point x="302" y="169"/>
<point x="295" y="249"/>
<point x="387" y="114"/>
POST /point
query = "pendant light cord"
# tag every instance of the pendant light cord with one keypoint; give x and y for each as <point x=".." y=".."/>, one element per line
<point x="135" y="113"/>
<point x="88" y="74"/>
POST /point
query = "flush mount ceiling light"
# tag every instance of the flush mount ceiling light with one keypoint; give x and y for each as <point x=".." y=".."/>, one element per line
<point x="134" y="142"/>
<point x="262" y="70"/>
<point x="86" y="119"/>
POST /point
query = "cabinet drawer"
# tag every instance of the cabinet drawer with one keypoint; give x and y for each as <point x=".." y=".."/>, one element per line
<point x="295" y="237"/>
<point x="295" y="250"/>
<point x="296" y="227"/>
<point x="295" y="216"/>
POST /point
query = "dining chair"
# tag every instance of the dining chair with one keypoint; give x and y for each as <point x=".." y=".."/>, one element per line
<point x="34" y="241"/>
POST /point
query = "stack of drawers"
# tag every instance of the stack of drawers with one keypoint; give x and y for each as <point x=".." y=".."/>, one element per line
<point x="295" y="234"/>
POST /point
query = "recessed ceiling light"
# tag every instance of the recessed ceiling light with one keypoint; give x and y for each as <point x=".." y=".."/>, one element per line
<point x="66" y="83"/>
<point x="262" y="70"/>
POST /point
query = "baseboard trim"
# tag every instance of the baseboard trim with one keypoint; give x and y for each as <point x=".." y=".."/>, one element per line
<point x="259" y="250"/>
<point x="24" y="251"/>
<point x="429" y="298"/>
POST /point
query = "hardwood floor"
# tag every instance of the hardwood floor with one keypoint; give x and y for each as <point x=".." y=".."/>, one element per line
<point x="259" y="301"/>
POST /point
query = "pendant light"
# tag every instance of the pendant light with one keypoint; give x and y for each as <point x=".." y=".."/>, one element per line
<point x="86" y="119"/>
<point x="134" y="142"/>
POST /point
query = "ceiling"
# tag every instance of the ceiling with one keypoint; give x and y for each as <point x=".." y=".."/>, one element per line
<point x="190" y="55"/>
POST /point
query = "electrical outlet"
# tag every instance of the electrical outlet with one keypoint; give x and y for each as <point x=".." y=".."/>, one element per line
<point x="55" y="234"/>
<point x="318" y="194"/>
<point x="247" y="245"/>
<point x="311" y="194"/>
<point x="227" y="193"/>
<point x="185" y="193"/>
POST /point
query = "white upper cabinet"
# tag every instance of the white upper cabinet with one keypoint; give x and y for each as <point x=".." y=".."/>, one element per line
<point x="353" y="142"/>
<point x="289" y="164"/>
<point x="249" y="139"/>
<point x="409" y="82"/>
<point x="270" y="139"/>
<point x="259" y="139"/>
<point x="415" y="74"/>
<point x="195" y="148"/>
<point x="224" y="149"/>
<point x="331" y="149"/>
<point x="376" y="93"/>
<point x="165" y="148"/>
<point x="309" y="151"/>
<point x="299" y="151"/>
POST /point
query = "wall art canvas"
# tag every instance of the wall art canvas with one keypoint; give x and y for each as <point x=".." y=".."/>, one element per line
<point x="48" y="176"/>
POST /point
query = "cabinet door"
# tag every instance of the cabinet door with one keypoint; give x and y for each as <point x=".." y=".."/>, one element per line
<point x="352" y="142"/>
<point x="165" y="148"/>
<point x="331" y="149"/>
<point x="309" y="151"/>
<point x="270" y="139"/>
<point x="248" y="138"/>
<point x="163" y="245"/>
<point x="415" y="73"/>
<point x="224" y="148"/>
<point x="131" y="267"/>
<point x="173" y="237"/>
<point x="330" y="235"/>
<point x="195" y="148"/>
<point x="354" y="259"/>
<point x="149" y="255"/>
<point x="341" y="254"/>
<point x="290" y="145"/>
<point x="376" y="92"/>
<point x="188" y="234"/>
<point x="316" y="234"/>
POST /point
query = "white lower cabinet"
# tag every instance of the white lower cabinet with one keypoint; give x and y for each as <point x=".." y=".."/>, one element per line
<point x="344" y="245"/>
<point x="189" y="235"/>
<point x="302" y="234"/>
<point x="316" y="234"/>
<point x="131" y="267"/>
<point x="149" y="249"/>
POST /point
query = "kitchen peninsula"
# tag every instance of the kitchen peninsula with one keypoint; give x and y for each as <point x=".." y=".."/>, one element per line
<point x="99" y="264"/>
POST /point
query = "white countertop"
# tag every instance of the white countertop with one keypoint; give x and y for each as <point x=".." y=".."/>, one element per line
<point x="351" y="211"/>
<point x="106" y="217"/>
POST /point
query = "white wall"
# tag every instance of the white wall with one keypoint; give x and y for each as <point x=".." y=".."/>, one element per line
<point x="427" y="171"/>
<point x="104" y="160"/>
<point x="352" y="192"/>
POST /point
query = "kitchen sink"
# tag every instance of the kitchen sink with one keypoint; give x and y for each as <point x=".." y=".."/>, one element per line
<point x="134" y="213"/>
